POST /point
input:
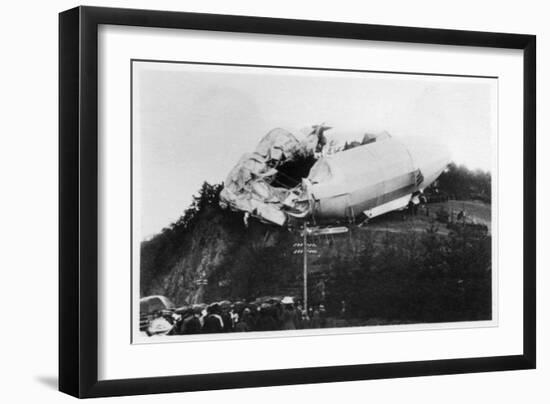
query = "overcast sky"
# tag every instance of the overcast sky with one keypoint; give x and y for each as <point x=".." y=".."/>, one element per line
<point x="193" y="122"/>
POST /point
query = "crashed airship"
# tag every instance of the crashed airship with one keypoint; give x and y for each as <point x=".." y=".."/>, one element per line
<point x="379" y="175"/>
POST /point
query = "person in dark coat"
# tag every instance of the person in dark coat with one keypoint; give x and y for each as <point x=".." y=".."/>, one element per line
<point x="227" y="321"/>
<point x="306" y="321"/>
<point x="299" y="320"/>
<point x="289" y="314"/>
<point x="213" y="322"/>
<point x="266" y="321"/>
<point x="193" y="325"/>
<point x="316" y="319"/>
<point x="252" y="316"/>
<point x="323" y="315"/>
<point x="243" y="324"/>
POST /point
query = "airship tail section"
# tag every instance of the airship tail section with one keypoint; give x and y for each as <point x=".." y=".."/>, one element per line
<point x="430" y="155"/>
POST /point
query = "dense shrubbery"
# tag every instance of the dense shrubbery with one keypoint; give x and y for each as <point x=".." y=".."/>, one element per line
<point x="459" y="182"/>
<point x="418" y="278"/>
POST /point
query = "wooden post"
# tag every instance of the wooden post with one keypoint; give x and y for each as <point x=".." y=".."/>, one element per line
<point x="305" y="266"/>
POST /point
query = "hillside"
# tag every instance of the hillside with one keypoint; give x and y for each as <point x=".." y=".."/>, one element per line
<point x="213" y="245"/>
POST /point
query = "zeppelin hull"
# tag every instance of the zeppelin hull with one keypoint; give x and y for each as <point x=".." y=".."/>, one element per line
<point x="371" y="179"/>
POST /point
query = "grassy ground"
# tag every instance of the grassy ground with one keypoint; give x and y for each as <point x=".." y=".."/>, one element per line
<point x="476" y="212"/>
<point x="401" y="222"/>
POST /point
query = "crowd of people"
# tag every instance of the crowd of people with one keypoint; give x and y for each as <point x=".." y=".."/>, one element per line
<point x="224" y="317"/>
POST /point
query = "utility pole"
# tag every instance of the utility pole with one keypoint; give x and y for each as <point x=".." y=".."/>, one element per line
<point x="305" y="248"/>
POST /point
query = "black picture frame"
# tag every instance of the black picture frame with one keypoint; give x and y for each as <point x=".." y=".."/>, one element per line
<point x="78" y="200"/>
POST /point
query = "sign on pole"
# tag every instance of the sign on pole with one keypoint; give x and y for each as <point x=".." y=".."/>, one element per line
<point x="318" y="231"/>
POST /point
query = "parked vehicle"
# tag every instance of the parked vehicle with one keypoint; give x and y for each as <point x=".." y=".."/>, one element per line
<point x="157" y="315"/>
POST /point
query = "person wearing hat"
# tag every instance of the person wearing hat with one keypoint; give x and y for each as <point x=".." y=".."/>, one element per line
<point x="289" y="314"/>
<point x="266" y="322"/>
<point x="213" y="322"/>
<point x="243" y="323"/>
<point x="306" y="320"/>
<point x="193" y="325"/>
<point x="316" y="318"/>
<point x="298" y="310"/>
<point x="252" y="316"/>
<point x="227" y="318"/>
<point x="323" y="315"/>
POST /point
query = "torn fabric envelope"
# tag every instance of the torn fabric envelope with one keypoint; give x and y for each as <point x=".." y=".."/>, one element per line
<point x="278" y="145"/>
<point x="248" y="186"/>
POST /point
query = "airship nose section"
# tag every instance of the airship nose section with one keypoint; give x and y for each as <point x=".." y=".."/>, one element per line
<point x="431" y="156"/>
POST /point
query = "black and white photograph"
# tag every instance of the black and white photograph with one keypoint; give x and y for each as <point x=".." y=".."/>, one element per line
<point x="300" y="200"/>
<point x="275" y="202"/>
